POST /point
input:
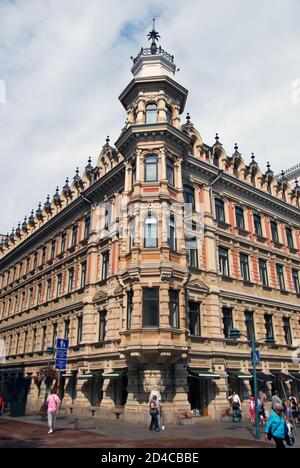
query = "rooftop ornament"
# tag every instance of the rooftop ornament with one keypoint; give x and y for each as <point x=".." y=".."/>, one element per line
<point x="89" y="169"/>
<point x="18" y="231"/>
<point x="78" y="180"/>
<point x="56" y="198"/>
<point x="153" y="50"/>
<point x="31" y="219"/>
<point x="47" y="206"/>
<point x="217" y="138"/>
<point x="67" y="189"/>
<point x="24" y="225"/>
<point x="236" y="151"/>
<point x="39" y="213"/>
<point x="269" y="170"/>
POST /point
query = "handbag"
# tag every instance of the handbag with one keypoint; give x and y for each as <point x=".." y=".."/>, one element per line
<point x="153" y="411"/>
<point x="289" y="435"/>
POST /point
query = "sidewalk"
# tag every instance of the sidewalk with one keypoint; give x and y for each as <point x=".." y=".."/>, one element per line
<point x="31" y="432"/>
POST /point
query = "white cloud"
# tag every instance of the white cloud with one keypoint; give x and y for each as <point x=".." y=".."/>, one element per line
<point x="65" y="63"/>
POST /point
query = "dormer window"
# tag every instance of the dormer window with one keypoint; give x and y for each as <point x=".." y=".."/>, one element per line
<point x="151" y="114"/>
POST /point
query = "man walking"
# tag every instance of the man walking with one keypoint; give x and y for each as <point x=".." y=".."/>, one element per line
<point x="53" y="403"/>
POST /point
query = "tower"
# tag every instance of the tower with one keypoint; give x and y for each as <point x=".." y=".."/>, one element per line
<point x="153" y="264"/>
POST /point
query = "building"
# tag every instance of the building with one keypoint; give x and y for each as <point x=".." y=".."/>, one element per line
<point x="146" y="261"/>
<point x="292" y="173"/>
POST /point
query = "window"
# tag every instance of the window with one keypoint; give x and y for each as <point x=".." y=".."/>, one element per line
<point x="296" y="282"/>
<point x="257" y="225"/>
<point x="130" y="296"/>
<point x="79" y="330"/>
<point x="63" y="242"/>
<point x="54" y="335"/>
<point x="169" y="115"/>
<point x="194" y="318"/>
<point x="220" y="210"/>
<point x="71" y="280"/>
<point x="105" y="265"/>
<point x="44" y="332"/>
<point x="30" y="297"/>
<point x="249" y="320"/>
<point x="150" y="307"/>
<point x="151" y="114"/>
<point x="106" y="219"/>
<point x="59" y="284"/>
<point x="25" y="342"/>
<point x="44" y="253"/>
<point x="53" y="244"/>
<point x="263" y="271"/>
<point x="269" y="326"/>
<point x="274" y="231"/>
<point x="280" y="277"/>
<point x="174" y="308"/>
<point x="172" y="234"/>
<point x="289" y="237"/>
<point x="132" y="233"/>
<point x="74" y="235"/>
<point x="102" y="325"/>
<point x="151" y="238"/>
<point x="49" y="284"/>
<point x="287" y="331"/>
<point x="170" y="171"/>
<point x="150" y="169"/>
<point x="189" y="198"/>
<point x="22" y="303"/>
<point x="133" y="172"/>
<point x="67" y="329"/>
<point x="39" y="297"/>
<point x="191" y="251"/>
<point x="35" y="259"/>
<point x="239" y="216"/>
<point x="83" y="275"/>
<point x="27" y="267"/>
<point x="227" y="321"/>
<point x="87" y="226"/>
<point x="244" y="263"/>
<point x="223" y="261"/>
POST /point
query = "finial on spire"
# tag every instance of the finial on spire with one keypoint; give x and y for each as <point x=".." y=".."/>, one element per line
<point x="188" y="118"/>
<point x="154" y="36"/>
<point x="107" y="140"/>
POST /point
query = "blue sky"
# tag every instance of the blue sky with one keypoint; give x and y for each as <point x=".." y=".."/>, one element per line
<point x="65" y="62"/>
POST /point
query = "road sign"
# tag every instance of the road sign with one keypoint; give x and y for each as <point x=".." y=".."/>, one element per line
<point x="62" y="344"/>
<point x="61" y="354"/>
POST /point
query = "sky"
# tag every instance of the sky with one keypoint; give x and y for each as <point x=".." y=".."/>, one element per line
<point x="63" y="64"/>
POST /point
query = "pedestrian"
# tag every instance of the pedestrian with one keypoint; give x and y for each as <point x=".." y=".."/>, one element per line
<point x="154" y="412"/>
<point x="1" y="404"/>
<point x="251" y="402"/>
<point x="261" y="411"/>
<point x="294" y="409"/>
<point x="53" y="403"/>
<point x="287" y="412"/>
<point x="276" y="400"/>
<point x="276" y="427"/>
<point x="236" y="407"/>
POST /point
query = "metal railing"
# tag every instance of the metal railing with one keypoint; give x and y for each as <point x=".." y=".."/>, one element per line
<point x="149" y="51"/>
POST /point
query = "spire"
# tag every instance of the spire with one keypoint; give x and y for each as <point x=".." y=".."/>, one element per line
<point x="154" y="36"/>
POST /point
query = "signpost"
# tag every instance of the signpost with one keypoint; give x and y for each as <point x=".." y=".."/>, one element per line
<point x="62" y="347"/>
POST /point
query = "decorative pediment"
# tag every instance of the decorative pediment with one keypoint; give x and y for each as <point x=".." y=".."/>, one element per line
<point x="100" y="296"/>
<point x="198" y="286"/>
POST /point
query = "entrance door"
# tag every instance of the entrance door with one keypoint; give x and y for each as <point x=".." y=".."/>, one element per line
<point x="198" y="395"/>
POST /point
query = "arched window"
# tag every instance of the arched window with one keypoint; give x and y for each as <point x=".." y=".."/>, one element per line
<point x="170" y="171"/>
<point x="151" y="169"/>
<point x="151" y="114"/>
<point x="150" y="234"/>
<point x="172" y="233"/>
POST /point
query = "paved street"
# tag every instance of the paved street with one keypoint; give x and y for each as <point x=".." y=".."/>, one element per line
<point x="31" y="432"/>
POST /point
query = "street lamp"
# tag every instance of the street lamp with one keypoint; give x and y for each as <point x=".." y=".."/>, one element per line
<point x="235" y="334"/>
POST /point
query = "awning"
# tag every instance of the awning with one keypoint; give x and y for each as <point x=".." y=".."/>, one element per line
<point x="203" y="374"/>
<point x="114" y="374"/>
<point x="240" y="375"/>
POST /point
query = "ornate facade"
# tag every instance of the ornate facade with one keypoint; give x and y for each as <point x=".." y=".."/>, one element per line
<point x="146" y="261"/>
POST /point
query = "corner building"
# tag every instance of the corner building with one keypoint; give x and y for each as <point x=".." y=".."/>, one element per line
<point x="146" y="261"/>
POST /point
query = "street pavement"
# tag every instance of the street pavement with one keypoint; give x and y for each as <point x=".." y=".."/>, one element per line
<point x="30" y="431"/>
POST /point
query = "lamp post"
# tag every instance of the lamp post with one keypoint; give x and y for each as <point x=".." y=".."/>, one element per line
<point x="235" y="334"/>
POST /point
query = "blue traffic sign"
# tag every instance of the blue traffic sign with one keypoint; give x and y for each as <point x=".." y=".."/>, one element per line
<point x="62" y="344"/>
<point x="257" y="357"/>
<point x="61" y="354"/>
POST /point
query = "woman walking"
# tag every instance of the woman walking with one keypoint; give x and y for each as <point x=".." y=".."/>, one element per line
<point x="276" y="427"/>
<point x="154" y="412"/>
<point x="236" y="407"/>
<point x="251" y="402"/>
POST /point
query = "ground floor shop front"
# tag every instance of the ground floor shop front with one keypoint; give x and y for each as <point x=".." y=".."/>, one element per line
<point x="123" y="393"/>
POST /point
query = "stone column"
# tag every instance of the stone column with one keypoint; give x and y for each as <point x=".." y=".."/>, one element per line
<point x="140" y="114"/>
<point x="33" y="395"/>
<point x="163" y="164"/>
<point x="107" y="401"/>
<point x="133" y="397"/>
<point x="68" y="401"/>
<point x="180" y="401"/>
<point x="82" y="393"/>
